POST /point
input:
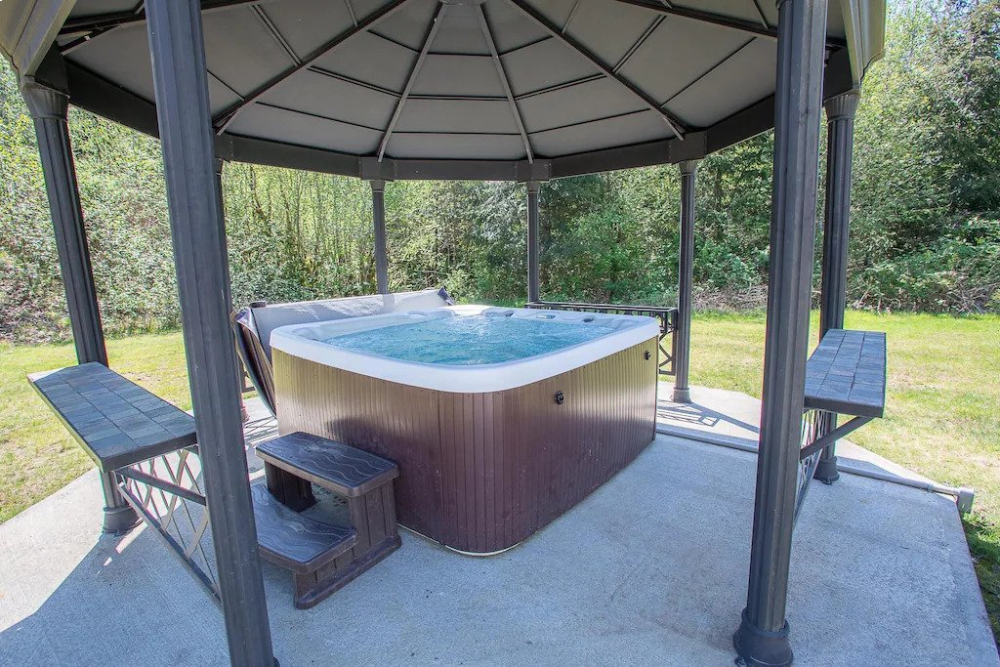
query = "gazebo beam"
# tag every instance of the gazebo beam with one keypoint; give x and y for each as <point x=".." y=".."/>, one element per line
<point x="840" y="112"/>
<point x="682" y="357"/>
<point x="103" y="22"/>
<point x="223" y="119"/>
<point x="176" y="45"/>
<point x="49" y="107"/>
<point x="676" y="126"/>
<point x="718" y="19"/>
<point x="534" y="286"/>
<point x="378" y="222"/>
<point x="705" y="17"/>
<point x="505" y="82"/>
<point x="763" y="635"/>
<point x="435" y="25"/>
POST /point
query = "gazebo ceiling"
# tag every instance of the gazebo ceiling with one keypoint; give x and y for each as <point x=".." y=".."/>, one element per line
<point x="503" y="88"/>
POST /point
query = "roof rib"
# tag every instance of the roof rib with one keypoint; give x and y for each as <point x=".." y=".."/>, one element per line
<point x="354" y="17"/>
<point x="83" y="40"/>
<point x="638" y="43"/>
<point x="505" y="82"/>
<point x="675" y="125"/>
<point x="428" y="40"/>
<point x="760" y="12"/>
<point x="704" y="17"/>
<point x="104" y="22"/>
<point x="719" y="20"/>
<point x="269" y="26"/>
<point x="711" y="69"/>
<point x="569" y="18"/>
<point x="225" y="118"/>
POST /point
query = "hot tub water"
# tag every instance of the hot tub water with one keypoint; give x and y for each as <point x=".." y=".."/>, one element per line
<point x="469" y="340"/>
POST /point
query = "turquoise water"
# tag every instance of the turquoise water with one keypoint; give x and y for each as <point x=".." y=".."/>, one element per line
<point x="469" y="340"/>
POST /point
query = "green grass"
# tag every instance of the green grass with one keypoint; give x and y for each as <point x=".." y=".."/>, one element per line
<point x="942" y="419"/>
<point x="36" y="454"/>
<point x="943" y="406"/>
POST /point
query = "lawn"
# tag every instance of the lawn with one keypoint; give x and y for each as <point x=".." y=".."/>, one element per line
<point x="942" y="419"/>
<point x="37" y="455"/>
<point x="943" y="407"/>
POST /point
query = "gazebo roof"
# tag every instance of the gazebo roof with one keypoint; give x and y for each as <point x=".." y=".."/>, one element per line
<point x="506" y="89"/>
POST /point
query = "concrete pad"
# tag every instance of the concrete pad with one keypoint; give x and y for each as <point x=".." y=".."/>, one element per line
<point x="650" y="569"/>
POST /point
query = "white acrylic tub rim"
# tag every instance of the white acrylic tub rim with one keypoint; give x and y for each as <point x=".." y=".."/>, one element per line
<point x="304" y="341"/>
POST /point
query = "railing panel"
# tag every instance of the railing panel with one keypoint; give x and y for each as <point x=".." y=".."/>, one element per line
<point x="813" y="424"/>
<point x="167" y="493"/>
<point x="667" y="318"/>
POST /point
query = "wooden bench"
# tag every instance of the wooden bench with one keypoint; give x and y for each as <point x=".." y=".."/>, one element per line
<point x="846" y="375"/>
<point x="115" y="421"/>
<point x="327" y="557"/>
<point x="118" y="424"/>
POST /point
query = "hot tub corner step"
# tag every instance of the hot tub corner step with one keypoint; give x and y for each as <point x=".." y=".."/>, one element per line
<point x="340" y="468"/>
<point x="293" y="541"/>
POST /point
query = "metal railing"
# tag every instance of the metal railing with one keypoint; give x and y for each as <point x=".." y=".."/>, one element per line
<point x="167" y="493"/>
<point x="815" y="424"/>
<point x="667" y="318"/>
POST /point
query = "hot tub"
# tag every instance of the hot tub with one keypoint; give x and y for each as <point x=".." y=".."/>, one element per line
<point x="500" y="419"/>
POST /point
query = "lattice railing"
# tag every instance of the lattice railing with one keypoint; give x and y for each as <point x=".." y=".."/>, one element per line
<point x="167" y="492"/>
<point x="814" y="424"/>
<point x="667" y="318"/>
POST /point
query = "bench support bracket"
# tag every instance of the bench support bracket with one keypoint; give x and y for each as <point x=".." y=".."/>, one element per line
<point x="833" y="436"/>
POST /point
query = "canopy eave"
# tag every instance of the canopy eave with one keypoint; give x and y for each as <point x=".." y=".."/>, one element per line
<point x="97" y="95"/>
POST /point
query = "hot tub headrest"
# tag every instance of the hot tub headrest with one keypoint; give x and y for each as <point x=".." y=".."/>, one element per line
<point x="269" y="318"/>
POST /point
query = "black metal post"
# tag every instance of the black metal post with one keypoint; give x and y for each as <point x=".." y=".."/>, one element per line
<point x="685" y="304"/>
<point x="533" y="250"/>
<point x="763" y="635"/>
<point x="840" y="112"/>
<point x="378" y="219"/>
<point x="219" y="165"/>
<point x="181" y="89"/>
<point x="49" y="109"/>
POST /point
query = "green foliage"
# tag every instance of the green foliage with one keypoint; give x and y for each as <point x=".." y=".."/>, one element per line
<point x="925" y="231"/>
<point x="926" y="205"/>
<point x="956" y="273"/>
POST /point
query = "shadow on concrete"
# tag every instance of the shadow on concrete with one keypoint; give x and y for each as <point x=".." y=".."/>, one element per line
<point x="700" y="415"/>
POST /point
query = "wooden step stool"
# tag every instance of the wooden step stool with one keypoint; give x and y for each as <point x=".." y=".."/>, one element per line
<point x="323" y="558"/>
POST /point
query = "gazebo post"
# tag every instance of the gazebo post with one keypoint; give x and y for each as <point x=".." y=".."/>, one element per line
<point x="219" y="164"/>
<point x="49" y="109"/>
<point x="533" y="250"/>
<point x="182" y="108"/>
<point x="378" y="220"/>
<point x="840" y="112"/>
<point x="763" y="634"/>
<point x="682" y="354"/>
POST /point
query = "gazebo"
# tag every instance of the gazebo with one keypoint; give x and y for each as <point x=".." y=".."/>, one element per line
<point x="517" y="90"/>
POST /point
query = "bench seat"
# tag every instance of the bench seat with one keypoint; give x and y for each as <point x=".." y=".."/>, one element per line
<point x="115" y="421"/>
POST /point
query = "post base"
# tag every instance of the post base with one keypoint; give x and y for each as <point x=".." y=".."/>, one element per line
<point x="762" y="648"/>
<point x="120" y="520"/>
<point x="826" y="470"/>
<point x="682" y="395"/>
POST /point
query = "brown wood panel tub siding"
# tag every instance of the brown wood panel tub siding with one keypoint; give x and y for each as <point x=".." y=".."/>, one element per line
<point x="482" y="472"/>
